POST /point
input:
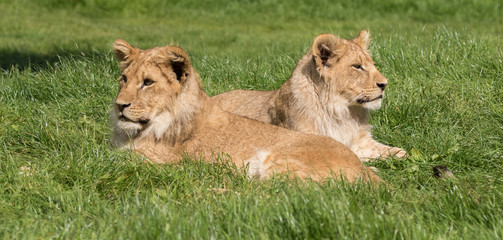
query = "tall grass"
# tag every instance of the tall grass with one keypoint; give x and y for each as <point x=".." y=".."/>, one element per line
<point x="60" y="179"/>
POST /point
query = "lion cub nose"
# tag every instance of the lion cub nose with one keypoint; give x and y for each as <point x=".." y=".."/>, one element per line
<point x="382" y="86"/>
<point x="121" y="106"/>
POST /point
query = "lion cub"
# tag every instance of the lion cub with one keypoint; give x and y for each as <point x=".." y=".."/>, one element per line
<point x="162" y="112"/>
<point x="329" y="93"/>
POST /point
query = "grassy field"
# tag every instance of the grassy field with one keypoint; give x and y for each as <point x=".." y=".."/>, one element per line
<point x="59" y="178"/>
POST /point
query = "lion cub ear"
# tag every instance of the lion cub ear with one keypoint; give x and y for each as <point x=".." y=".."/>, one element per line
<point x="363" y="39"/>
<point x="324" y="47"/>
<point x="179" y="61"/>
<point x="123" y="52"/>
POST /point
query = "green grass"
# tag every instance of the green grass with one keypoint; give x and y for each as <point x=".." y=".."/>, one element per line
<point x="59" y="178"/>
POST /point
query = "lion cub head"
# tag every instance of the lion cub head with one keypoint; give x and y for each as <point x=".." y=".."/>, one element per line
<point x="149" y="88"/>
<point x="347" y="70"/>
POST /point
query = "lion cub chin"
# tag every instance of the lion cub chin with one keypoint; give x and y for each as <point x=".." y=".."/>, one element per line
<point x="162" y="112"/>
<point x="329" y="93"/>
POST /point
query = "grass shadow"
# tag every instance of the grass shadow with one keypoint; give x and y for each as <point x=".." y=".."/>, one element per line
<point x="33" y="60"/>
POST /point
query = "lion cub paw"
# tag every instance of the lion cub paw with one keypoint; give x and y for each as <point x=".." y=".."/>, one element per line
<point x="396" y="152"/>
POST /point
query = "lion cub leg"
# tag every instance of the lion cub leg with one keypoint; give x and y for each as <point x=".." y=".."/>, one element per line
<point x="366" y="148"/>
<point x="309" y="165"/>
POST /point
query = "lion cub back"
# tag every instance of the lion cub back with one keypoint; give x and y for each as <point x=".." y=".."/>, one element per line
<point x="250" y="104"/>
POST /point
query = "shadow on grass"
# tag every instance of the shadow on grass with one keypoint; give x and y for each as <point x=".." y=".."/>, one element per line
<point x="32" y="60"/>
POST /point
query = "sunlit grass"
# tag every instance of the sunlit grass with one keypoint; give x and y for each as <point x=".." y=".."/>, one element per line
<point x="59" y="178"/>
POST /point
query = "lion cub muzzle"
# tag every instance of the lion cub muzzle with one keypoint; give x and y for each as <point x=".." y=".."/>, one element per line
<point x="367" y="100"/>
<point x="122" y="106"/>
<point x="127" y="114"/>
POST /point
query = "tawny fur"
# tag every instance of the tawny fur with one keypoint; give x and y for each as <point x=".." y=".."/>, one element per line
<point x="330" y="93"/>
<point x="162" y="112"/>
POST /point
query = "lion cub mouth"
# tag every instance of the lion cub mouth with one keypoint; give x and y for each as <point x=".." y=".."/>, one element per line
<point x="124" y="118"/>
<point x="366" y="100"/>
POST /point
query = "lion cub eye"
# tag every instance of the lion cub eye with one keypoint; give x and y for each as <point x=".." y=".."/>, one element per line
<point x="358" y="67"/>
<point x="148" y="82"/>
<point x="124" y="78"/>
